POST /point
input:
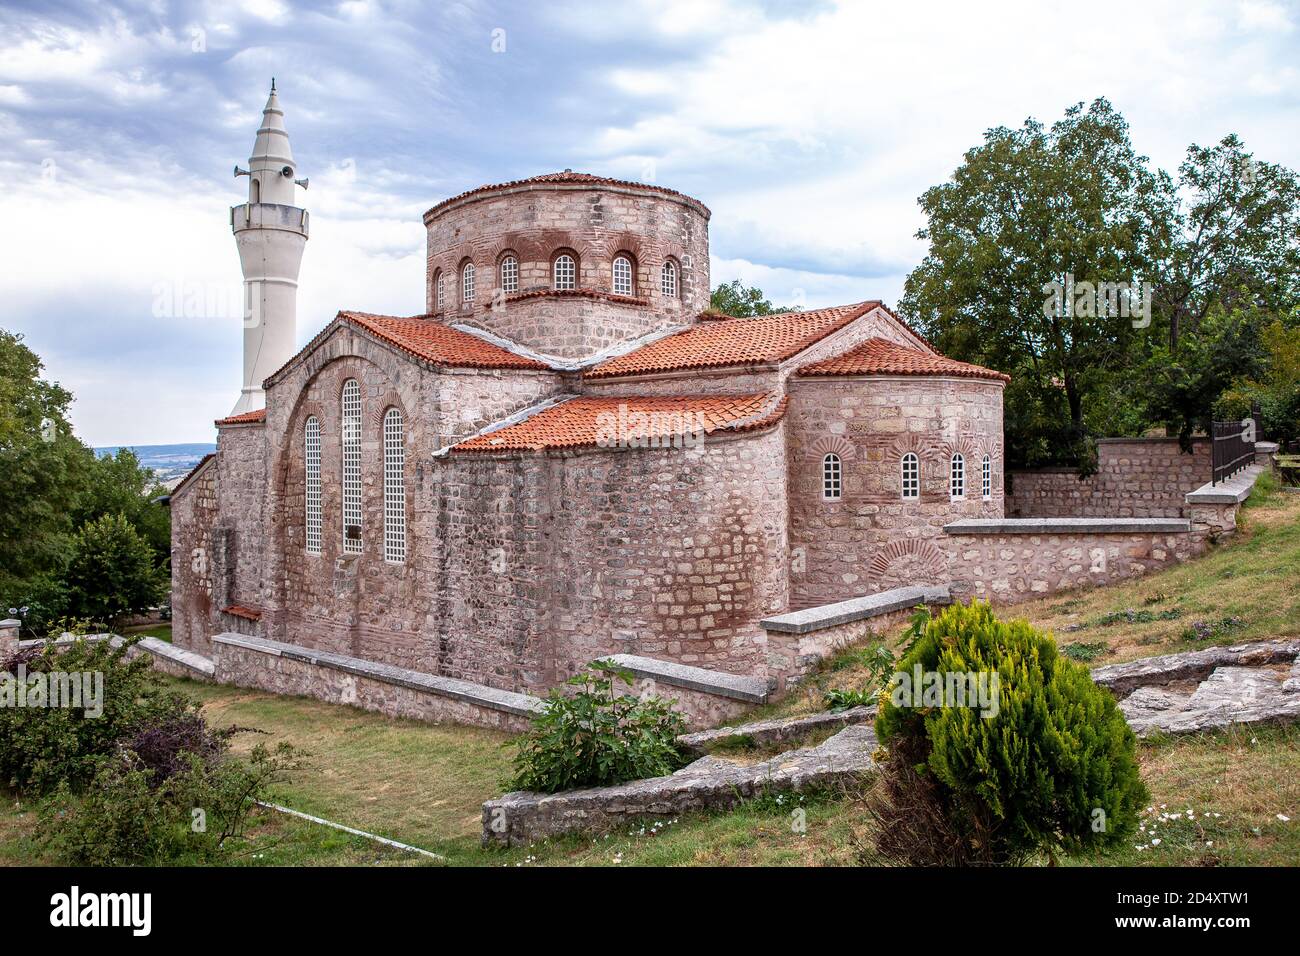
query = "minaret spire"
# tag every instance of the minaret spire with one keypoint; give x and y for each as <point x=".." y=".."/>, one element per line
<point x="271" y="233"/>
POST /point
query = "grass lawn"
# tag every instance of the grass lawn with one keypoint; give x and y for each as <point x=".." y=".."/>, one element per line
<point x="424" y="784"/>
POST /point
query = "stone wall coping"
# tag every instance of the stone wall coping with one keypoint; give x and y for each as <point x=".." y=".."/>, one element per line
<point x="1068" y="526"/>
<point x="856" y="609"/>
<point x="480" y="695"/>
<point x="752" y="690"/>
<point x="1233" y="491"/>
<point x="11" y="622"/>
<point x="1266" y="447"/>
<point x="190" y="660"/>
<point x="1154" y="440"/>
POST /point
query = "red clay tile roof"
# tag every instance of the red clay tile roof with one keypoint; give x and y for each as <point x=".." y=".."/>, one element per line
<point x="440" y="344"/>
<point x="617" y="420"/>
<point x="568" y="177"/>
<point x="723" y="342"/>
<point x="878" y="356"/>
<point x="241" y="610"/>
<point x="245" y="418"/>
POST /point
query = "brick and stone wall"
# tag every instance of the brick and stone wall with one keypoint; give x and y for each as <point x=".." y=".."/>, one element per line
<point x="872" y="539"/>
<point x="592" y="222"/>
<point x="1135" y="478"/>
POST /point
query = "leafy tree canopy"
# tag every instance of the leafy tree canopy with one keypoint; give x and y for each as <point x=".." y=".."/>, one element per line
<point x="732" y="298"/>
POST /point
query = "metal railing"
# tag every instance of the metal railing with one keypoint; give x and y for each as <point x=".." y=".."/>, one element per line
<point x="1233" y="448"/>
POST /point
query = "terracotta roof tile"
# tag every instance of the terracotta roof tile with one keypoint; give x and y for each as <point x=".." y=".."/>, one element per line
<point x="723" y="342"/>
<point x="242" y="610"/>
<point x="440" y="344"/>
<point x="878" y="356"/>
<point x="628" y="420"/>
<point x="245" y="418"/>
<point x="568" y="177"/>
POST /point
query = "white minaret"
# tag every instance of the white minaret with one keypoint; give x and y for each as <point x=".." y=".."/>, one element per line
<point x="271" y="233"/>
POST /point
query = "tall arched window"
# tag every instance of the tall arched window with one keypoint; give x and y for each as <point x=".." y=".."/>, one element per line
<point x="311" y="463"/>
<point x="439" y="290"/>
<point x="509" y="274"/>
<point x="394" y="488"/>
<point x="910" y="469"/>
<point x="986" y="478"/>
<point x="467" y="283"/>
<point x="668" y="279"/>
<point x="622" y="275"/>
<point x="832" y="477"/>
<point x="566" y="271"/>
<point x="351" y="435"/>
<point x="957" y="482"/>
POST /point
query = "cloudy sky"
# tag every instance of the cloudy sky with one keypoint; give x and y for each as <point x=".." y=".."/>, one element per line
<point x="809" y="130"/>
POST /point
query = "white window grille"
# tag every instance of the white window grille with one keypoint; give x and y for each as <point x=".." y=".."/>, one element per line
<point x="622" y="276"/>
<point x="566" y="272"/>
<point x="986" y="478"/>
<point x="394" y="488"/>
<point x="911" y="476"/>
<point x="311" y="456"/>
<point x="441" y="291"/>
<point x="467" y="283"/>
<point x="351" y="435"/>
<point x="958" y="479"/>
<point x="668" y="277"/>
<point x="832" y="477"/>
<point x="509" y="274"/>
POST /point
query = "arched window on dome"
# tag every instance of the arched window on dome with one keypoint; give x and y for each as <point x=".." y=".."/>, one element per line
<point x="986" y="478"/>
<point x="509" y="271"/>
<point x="832" y="477"/>
<point x="910" y="476"/>
<point x="467" y="283"/>
<point x="957" y="479"/>
<point x="439" y="291"/>
<point x="622" y="275"/>
<point x="565" y="271"/>
<point x="668" y="284"/>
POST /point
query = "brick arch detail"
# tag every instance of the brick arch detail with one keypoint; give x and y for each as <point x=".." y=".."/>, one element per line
<point x="833" y="444"/>
<point x="909" y="561"/>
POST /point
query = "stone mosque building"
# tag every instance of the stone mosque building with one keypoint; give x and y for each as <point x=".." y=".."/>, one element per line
<point x="568" y="455"/>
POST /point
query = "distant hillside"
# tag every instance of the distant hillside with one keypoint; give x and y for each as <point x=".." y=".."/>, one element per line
<point x="167" y="461"/>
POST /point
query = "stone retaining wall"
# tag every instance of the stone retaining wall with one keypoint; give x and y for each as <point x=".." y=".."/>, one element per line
<point x="337" y="679"/>
<point x="1135" y="478"/>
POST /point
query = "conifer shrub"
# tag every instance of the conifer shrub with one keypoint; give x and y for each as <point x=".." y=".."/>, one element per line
<point x="1049" y="768"/>
<point x="593" y="736"/>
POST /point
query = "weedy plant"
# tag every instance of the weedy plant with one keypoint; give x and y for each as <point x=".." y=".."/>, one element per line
<point x="594" y="736"/>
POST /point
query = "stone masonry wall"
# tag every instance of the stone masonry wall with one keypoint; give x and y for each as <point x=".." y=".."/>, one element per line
<point x="553" y="560"/>
<point x="591" y="222"/>
<point x="1136" y="478"/>
<point x="872" y="539"/>
<point x="193" y="515"/>
<point x="280" y="675"/>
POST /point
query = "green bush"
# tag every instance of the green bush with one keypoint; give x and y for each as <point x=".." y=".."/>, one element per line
<point x="1051" y="770"/>
<point x="42" y="747"/>
<point x="134" y="814"/>
<point x="595" y="737"/>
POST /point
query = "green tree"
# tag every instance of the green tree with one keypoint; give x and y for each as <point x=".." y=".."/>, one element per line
<point x="732" y="298"/>
<point x="42" y="467"/>
<point x="112" y="571"/>
<point x="1028" y="207"/>
<point x="119" y="484"/>
<point x="1275" y="388"/>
